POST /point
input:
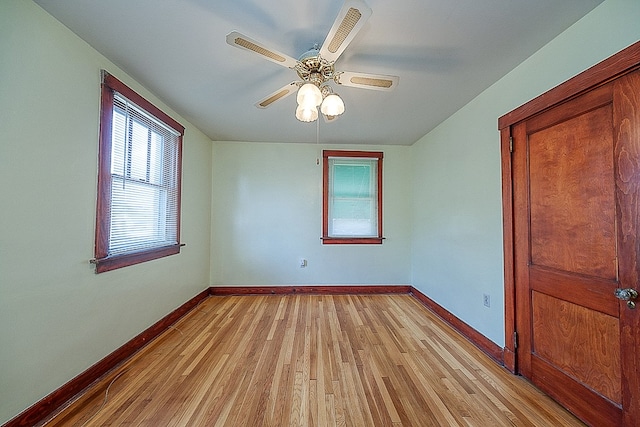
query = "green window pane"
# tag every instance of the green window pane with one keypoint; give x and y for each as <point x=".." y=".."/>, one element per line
<point x="352" y="181"/>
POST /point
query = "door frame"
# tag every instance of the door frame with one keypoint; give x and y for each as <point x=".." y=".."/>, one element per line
<point x="621" y="63"/>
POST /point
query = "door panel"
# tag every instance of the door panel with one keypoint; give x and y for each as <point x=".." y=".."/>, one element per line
<point x="576" y="184"/>
<point x="571" y="184"/>
<point x="582" y="343"/>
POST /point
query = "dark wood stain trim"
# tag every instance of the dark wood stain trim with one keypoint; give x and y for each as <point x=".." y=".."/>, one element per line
<point x="45" y="408"/>
<point x="103" y="228"/>
<point x="326" y="240"/>
<point x="328" y="290"/>
<point x="487" y="346"/>
<point x="352" y="241"/>
<point x="601" y="73"/>
<point x="102" y="260"/>
<point x="42" y="409"/>
<point x="125" y="260"/>
<point x="141" y="102"/>
<point x="509" y="358"/>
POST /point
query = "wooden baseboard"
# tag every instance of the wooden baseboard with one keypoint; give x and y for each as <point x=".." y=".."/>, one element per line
<point x="483" y="343"/>
<point x="328" y="290"/>
<point x="42" y="409"/>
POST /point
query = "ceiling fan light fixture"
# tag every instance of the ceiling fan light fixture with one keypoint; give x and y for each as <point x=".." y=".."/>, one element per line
<point x="316" y="67"/>
<point x="332" y="105"/>
<point x="306" y="114"/>
<point x="309" y="95"/>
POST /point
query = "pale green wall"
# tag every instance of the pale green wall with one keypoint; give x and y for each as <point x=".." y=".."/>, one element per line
<point x="57" y="317"/>
<point x="267" y="213"/>
<point x="457" y="235"/>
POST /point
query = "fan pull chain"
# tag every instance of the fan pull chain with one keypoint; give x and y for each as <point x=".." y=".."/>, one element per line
<point x="318" y="140"/>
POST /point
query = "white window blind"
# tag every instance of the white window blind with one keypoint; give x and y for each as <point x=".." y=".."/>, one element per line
<point x="144" y="180"/>
<point x="353" y="197"/>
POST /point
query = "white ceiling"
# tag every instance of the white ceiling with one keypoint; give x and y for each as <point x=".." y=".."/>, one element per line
<point x="444" y="51"/>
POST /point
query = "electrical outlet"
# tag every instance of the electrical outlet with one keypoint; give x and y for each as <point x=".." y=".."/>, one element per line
<point x="486" y="300"/>
<point x="303" y="263"/>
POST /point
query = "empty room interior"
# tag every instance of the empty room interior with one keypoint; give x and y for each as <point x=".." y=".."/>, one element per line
<point x="475" y="262"/>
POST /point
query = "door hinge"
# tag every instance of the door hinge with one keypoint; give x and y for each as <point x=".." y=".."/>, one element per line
<point x="511" y="144"/>
<point x="515" y="340"/>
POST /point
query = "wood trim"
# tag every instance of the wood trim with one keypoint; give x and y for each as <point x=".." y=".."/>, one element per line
<point x="576" y="106"/>
<point x="125" y="260"/>
<point x="352" y="241"/>
<point x="179" y="192"/>
<point x="103" y="228"/>
<point x="380" y="204"/>
<point x="116" y="85"/>
<point x="326" y="239"/>
<point x="325" y="195"/>
<point x="601" y="73"/>
<point x="102" y="260"/>
<point x="520" y="230"/>
<point x="507" y="232"/>
<point x="487" y="346"/>
<point x="350" y="153"/>
<point x="42" y="409"/>
<point x="327" y="290"/>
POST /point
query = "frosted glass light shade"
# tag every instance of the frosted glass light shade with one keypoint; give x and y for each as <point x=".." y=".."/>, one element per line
<point x="332" y="105"/>
<point x="309" y="95"/>
<point x="306" y="114"/>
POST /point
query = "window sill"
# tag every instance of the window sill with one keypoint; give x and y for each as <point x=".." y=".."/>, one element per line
<point x="125" y="260"/>
<point x="352" y="240"/>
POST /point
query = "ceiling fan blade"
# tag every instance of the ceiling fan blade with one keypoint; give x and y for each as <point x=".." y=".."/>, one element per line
<point x="279" y="94"/>
<point x="241" y="41"/>
<point x="367" y="81"/>
<point x="350" y="20"/>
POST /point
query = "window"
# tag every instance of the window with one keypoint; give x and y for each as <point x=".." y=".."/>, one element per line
<point x="139" y="170"/>
<point x="352" y="197"/>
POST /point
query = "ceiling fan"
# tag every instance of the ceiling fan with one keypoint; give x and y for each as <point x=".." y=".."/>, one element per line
<point x="315" y="68"/>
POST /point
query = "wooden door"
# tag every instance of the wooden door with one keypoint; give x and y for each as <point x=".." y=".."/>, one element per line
<point x="576" y="213"/>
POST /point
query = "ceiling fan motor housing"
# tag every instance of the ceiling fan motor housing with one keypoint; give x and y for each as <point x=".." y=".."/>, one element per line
<point x="313" y="68"/>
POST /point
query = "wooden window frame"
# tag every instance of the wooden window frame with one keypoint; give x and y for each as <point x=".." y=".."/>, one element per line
<point x="328" y="240"/>
<point x="103" y="261"/>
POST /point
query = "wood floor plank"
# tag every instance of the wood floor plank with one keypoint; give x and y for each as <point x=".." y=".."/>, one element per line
<point x="311" y="360"/>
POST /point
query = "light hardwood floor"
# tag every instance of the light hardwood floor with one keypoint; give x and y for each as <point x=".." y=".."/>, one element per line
<point x="305" y="360"/>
